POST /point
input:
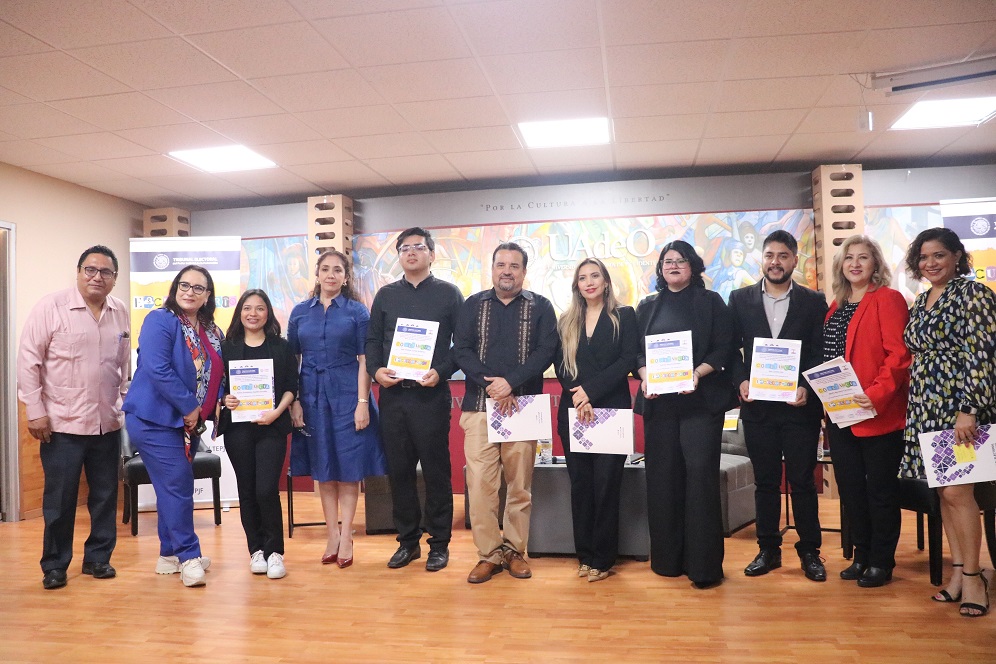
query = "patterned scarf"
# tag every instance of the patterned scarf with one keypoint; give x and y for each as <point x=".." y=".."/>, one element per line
<point x="205" y="350"/>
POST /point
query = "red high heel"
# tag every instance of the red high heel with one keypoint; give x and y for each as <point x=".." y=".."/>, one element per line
<point x="343" y="563"/>
<point x="331" y="558"/>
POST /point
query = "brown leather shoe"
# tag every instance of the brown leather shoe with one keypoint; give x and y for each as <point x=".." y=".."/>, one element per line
<point x="516" y="566"/>
<point x="483" y="571"/>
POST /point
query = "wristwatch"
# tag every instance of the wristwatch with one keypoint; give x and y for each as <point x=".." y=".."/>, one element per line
<point x="968" y="410"/>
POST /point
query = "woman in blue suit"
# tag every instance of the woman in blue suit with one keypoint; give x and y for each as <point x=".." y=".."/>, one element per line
<point x="176" y="386"/>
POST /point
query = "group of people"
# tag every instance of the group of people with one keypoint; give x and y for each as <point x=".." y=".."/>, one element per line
<point x="921" y="369"/>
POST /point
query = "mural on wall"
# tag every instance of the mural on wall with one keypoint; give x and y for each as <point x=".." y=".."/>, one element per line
<point x="279" y="266"/>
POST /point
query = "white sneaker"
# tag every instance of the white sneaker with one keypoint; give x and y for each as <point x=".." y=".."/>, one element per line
<point x="275" y="566"/>
<point x="192" y="572"/>
<point x="257" y="564"/>
<point x="171" y="564"/>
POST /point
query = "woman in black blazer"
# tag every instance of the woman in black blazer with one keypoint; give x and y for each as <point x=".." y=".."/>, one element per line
<point x="257" y="449"/>
<point x="597" y="351"/>
<point x="683" y="432"/>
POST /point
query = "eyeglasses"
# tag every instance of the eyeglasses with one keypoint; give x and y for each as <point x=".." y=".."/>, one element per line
<point x="675" y="262"/>
<point x="198" y="289"/>
<point x="406" y="248"/>
<point x="92" y="272"/>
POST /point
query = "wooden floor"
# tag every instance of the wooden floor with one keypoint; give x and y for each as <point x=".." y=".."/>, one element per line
<point x="368" y="613"/>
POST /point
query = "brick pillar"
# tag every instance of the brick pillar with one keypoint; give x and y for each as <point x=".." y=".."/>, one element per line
<point x="330" y="226"/>
<point x="166" y="222"/>
<point x="839" y="207"/>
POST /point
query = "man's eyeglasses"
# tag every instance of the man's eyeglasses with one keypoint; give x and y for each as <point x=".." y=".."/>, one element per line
<point x="675" y="262"/>
<point x="405" y="248"/>
<point x="198" y="289"/>
<point x="92" y="272"/>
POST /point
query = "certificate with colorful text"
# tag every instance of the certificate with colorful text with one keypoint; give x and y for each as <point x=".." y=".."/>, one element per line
<point x="836" y="384"/>
<point x="611" y="432"/>
<point x="531" y="422"/>
<point x="412" y="347"/>
<point x="947" y="463"/>
<point x="669" y="363"/>
<point x="251" y="381"/>
<point x="774" y="369"/>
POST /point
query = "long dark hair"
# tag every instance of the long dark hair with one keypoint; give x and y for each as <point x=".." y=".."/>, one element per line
<point x="347" y="266"/>
<point x="688" y="253"/>
<point x="951" y="242"/>
<point x="206" y="313"/>
<point x="236" y="330"/>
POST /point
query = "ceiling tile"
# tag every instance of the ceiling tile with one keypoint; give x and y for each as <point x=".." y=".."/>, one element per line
<point x="742" y="150"/>
<point x="473" y="139"/>
<point x="590" y="155"/>
<point x="660" y="128"/>
<point x="156" y="63"/>
<point x="415" y="169"/>
<point x="910" y="48"/>
<point x="653" y="21"/>
<point x="79" y="172"/>
<point x="493" y="163"/>
<point x="54" y="75"/>
<point x="384" y="145"/>
<point x="453" y="113"/>
<point x="303" y="152"/>
<point x="840" y="119"/>
<point x="201" y="185"/>
<point x="29" y="153"/>
<point x="824" y="148"/>
<point x="794" y="55"/>
<point x="855" y="90"/>
<point x="975" y="141"/>
<point x="340" y="88"/>
<point x="264" y="129"/>
<point x="364" y="121"/>
<point x="769" y="93"/>
<point x="216" y="101"/>
<point x="340" y="176"/>
<point x="175" y="137"/>
<point x="326" y="9"/>
<point x="672" y="99"/>
<point x="9" y="97"/>
<point x="753" y="123"/>
<point x="103" y="145"/>
<point x="266" y="177"/>
<point x="395" y="37"/>
<point x="556" y="105"/>
<point x="37" y="120"/>
<point x="142" y="192"/>
<point x="912" y="143"/>
<point x="192" y="16"/>
<point x="526" y="26"/>
<point x="685" y="63"/>
<point x="76" y="24"/>
<point x="424" y="81"/>
<point x="541" y="72"/>
<point x="148" y="166"/>
<point x="17" y="42"/>
<point x="656" y="154"/>
<point x="301" y="189"/>
<point x="122" y="111"/>
<point x="275" y="50"/>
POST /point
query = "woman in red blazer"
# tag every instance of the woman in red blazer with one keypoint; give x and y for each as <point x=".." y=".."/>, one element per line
<point x="865" y="325"/>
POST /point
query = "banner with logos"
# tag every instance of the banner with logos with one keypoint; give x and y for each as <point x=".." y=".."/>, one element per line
<point x="974" y="221"/>
<point x="154" y="264"/>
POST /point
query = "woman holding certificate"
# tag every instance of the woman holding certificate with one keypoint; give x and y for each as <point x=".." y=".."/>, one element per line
<point x="257" y="446"/>
<point x="952" y="334"/>
<point x="177" y="384"/>
<point x="335" y="443"/>
<point x="683" y="409"/>
<point x="599" y="342"/>
<point x="865" y="326"/>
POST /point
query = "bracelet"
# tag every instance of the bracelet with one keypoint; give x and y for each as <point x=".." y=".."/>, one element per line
<point x="363" y="401"/>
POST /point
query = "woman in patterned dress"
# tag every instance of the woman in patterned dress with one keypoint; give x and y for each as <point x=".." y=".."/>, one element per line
<point x="952" y="335"/>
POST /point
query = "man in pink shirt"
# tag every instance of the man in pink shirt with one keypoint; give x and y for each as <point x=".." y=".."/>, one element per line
<point x="71" y="369"/>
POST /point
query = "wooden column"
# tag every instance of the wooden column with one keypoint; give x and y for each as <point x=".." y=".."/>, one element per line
<point x="839" y="207"/>
<point x="330" y="226"/>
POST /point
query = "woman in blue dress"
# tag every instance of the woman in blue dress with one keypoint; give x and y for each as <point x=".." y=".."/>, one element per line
<point x="337" y="441"/>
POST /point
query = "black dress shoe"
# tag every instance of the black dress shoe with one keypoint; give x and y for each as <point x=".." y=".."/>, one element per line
<point x="854" y="572"/>
<point x="99" y="570"/>
<point x="875" y="577"/>
<point x="54" y="578"/>
<point x="404" y="555"/>
<point x="437" y="560"/>
<point x="813" y="567"/>
<point x="766" y="560"/>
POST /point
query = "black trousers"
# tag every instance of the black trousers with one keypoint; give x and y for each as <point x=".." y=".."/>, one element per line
<point x="63" y="458"/>
<point x="257" y="454"/>
<point x="684" y="508"/>
<point x="415" y="428"/>
<point x="867" y="472"/>
<point x="595" y="482"/>
<point x="768" y="442"/>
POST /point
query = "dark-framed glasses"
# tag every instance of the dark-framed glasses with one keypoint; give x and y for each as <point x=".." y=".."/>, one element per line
<point x="675" y="262"/>
<point x="198" y="289"/>
<point x="92" y="272"/>
<point x="418" y="248"/>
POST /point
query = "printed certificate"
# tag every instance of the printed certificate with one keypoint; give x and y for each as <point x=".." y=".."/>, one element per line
<point x="610" y="433"/>
<point x="947" y="463"/>
<point x="531" y="422"/>
<point x="252" y="383"/>
<point x="774" y="371"/>
<point x="669" y="363"/>
<point x="836" y="384"/>
<point x="411" y="350"/>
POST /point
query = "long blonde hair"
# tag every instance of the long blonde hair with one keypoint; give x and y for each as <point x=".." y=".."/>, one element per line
<point x="881" y="276"/>
<point x="572" y="321"/>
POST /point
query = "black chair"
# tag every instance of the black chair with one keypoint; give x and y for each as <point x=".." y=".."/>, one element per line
<point x="133" y="473"/>
<point x="291" y="525"/>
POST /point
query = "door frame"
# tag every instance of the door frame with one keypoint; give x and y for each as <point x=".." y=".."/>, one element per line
<point x="10" y="500"/>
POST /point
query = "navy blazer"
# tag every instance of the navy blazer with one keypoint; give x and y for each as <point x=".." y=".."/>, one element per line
<point x="804" y="321"/>
<point x="164" y="387"/>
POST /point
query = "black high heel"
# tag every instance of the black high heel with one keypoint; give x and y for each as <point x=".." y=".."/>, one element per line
<point x="972" y="606"/>
<point x="944" y="595"/>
